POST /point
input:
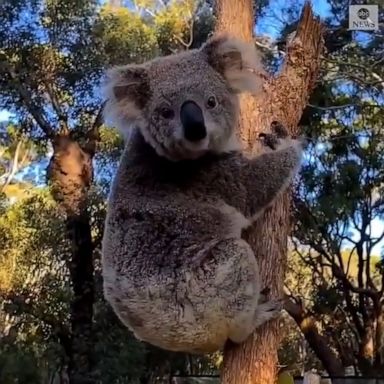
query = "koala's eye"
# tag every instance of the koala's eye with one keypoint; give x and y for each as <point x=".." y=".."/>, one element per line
<point x="167" y="113"/>
<point x="211" y="102"/>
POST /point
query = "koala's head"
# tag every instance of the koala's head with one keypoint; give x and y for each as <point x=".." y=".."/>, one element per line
<point x="185" y="104"/>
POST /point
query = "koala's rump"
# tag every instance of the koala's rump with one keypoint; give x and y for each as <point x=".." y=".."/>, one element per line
<point x="157" y="289"/>
<point x="168" y="310"/>
<point x="190" y="309"/>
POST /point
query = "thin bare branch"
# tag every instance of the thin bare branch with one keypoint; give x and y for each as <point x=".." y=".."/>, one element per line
<point x="99" y="120"/>
<point x="14" y="168"/>
<point x="366" y="69"/>
<point x="331" y="107"/>
<point x="187" y="44"/>
<point x="93" y="134"/>
<point x="63" y="120"/>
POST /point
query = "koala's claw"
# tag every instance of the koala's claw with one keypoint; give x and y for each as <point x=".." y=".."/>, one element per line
<point x="279" y="130"/>
<point x="272" y="140"/>
<point x="278" y="134"/>
<point x="269" y="140"/>
<point x="275" y="305"/>
<point x="268" y="311"/>
<point x="264" y="293"/>
<point x="282" y="133"/>
<point x="202" y="254"/>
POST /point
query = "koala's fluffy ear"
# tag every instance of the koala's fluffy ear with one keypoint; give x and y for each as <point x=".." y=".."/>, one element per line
<point x="239" y="62"/>
<point x="126" y="91"/>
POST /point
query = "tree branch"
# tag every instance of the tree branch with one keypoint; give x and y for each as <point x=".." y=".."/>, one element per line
<point x="93" y="134"/>
<point x="14" y="168"/>
<point x="317" y="342"/>
<point x="57" y="107"/>
<point x="27" y="98"/>
<point x="99" y="120"/>
<point x="337" y="270"/>
<point x="187" y="44"/>
<point x="347" y="286"/>
<point x="331" y="107"/>
<point x="367" y="70"/>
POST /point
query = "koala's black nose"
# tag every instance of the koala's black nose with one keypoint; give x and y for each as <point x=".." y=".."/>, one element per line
<point x="192" y="119"/>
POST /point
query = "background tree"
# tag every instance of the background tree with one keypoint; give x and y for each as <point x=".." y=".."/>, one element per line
<point x="339" y="203"/>
<point x="339" y="206"/>
<point x="52" y="56"/>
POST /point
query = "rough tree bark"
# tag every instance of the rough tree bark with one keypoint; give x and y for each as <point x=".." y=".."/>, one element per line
<point x="284" y="99"/>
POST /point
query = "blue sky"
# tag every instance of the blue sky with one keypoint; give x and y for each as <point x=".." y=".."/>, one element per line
<point x="4" y="115"/>
<point x="270" y="24"/>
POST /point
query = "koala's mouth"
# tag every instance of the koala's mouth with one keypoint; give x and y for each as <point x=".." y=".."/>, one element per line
<point x="200" y="146"/>
<point x="184" y="150"/>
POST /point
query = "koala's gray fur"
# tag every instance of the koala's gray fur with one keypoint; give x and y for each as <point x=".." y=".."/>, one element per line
<point x="176" y="270"/>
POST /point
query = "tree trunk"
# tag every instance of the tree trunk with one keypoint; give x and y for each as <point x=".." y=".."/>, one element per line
<point x="285" y="97"/>
<point x="70" y="174"/>
<point x="379" y="339"/>
<point x="366" y="353"/>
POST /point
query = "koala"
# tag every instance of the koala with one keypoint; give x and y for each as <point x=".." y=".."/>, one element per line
<point x="176" y="270"/>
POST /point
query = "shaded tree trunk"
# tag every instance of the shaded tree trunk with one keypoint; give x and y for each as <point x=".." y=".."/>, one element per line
<point x="365" y="354"/>
<point x="70" y="175"/>
<point x="285" y="97"/>
<point x="379" y="339"/>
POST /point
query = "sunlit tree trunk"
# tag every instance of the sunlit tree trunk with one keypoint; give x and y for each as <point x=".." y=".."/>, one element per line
<point x="285" y="97"/>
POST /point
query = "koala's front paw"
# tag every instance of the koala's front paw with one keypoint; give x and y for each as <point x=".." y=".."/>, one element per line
<point x="274" y="305"/>
<point x="264" y="294"/>
<point x="279" y="130"/>
<point x="279" y="137"/>
<point x="273" y="140"/>
<point x="268" y="311"/>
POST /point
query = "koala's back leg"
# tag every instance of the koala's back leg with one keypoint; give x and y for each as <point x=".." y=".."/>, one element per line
<point x="233" y="287"/>
<point x="237" y="279"/>
<point x="263" y="313"/>
<point x="267" y="311"/>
